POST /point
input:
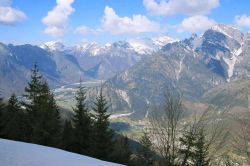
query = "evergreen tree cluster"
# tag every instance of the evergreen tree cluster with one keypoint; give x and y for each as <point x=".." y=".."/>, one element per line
<point x="37" y="120"/>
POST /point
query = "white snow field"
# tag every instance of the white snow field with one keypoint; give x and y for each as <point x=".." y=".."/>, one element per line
<point x="13" y="153"/>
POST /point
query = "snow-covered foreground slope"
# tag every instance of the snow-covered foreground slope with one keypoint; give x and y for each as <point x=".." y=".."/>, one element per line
<point x="14" y="153"/>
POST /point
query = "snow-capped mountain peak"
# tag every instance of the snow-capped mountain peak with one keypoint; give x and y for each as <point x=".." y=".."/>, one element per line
<point x="148" y="46"/>
<point x="91" y="48"/>
<point x="139" y="45"/>
<point x="53" y="46"/>
<point x="229" y="31"/>
<point x="162" y="40"/>
<point x="142" y="46"/>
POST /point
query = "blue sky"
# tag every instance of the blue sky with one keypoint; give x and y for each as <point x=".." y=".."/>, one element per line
<point x="74" y="21"/>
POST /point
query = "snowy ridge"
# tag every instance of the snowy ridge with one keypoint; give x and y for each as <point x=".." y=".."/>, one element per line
<point x="92" y="48"/>
<point x="221" y="29"/>
<point x="229" y="31"/>
<point x="53" y="45"/>
<point x="140" y="46"/>
<point x="13" y="153"/>
<point x="162" y="40"/>
<point x="148" y="46"/>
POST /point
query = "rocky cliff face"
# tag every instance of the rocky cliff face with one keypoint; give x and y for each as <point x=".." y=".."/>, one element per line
<point x="192" y="66"/>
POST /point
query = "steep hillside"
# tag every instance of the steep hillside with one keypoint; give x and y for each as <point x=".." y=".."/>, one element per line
<point x="16" y="62"/>
<point x="192" y="67"/>
<point x="229" y="95"/>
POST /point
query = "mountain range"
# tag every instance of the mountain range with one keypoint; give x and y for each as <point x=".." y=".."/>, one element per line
<point x="138" y="71"/>
<point x="192" y="66"/>
<point x="57" y="62"/>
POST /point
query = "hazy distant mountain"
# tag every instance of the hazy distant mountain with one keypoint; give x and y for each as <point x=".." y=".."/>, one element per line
<point x="104" y="61"/>
<point x="16" y="62"/>
<point x="62" y="64"/>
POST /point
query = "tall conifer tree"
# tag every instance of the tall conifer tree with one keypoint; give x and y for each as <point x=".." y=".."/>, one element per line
<point x="2" y="105"/>
<point x="43" y="112"/>
<point x="82" y="123"/>
<point x="67" y="139"/>
<point x="102" y="134"/>
<point x="201" y="150"/>
<point x="145" y="151"/>
<point x="14" y="121"/>
<point x="121" y="152"/>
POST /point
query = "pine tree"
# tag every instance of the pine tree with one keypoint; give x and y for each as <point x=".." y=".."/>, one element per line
<point x="14" y="121"/>
<point x="82" y="123"/>
<point x="201" y="150"/>
<point x="43" y="112"/>
<point x="121" y="152"/>
<point x="187" y="142"/>
<point x="102" y="134"/>
<point x="2" y="105"/>
<point x="32" y="95"/>
<point x="52" y="119"/>
<point x="67" y="136"/>
<point x="145" y="151"/>
<point x="34" y="88"/>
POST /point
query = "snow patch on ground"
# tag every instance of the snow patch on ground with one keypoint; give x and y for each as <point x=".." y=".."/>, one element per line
<point x="13" y="153"/>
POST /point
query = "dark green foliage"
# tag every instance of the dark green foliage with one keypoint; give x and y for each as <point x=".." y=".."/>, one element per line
<point x="14" y="121"/>
<point x="121" y="152"/>
<point x="2" y="105"/>
<point x="42" y="110"/>
<point x="201" y="150"/>
<point x="102" y="134"/>
<point x="194" y="150"/>
<point x="187" y="151"/>
<point x="120" y="126"/>
<point x="34" y="88"/>
<point x="82" y="123"/>
<point x="67" y="136"/>
<point x="145" y="152"/>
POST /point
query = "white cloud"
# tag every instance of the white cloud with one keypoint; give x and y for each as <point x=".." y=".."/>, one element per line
<point x="195" y="24"/>
<point x="57" y="19"/>
<point x="171" y="7"/>
<point x="242" y="21"/>
<point x="115" y="24"/>
<point x="9" y="15"/>
<point x="84" y="30"/>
